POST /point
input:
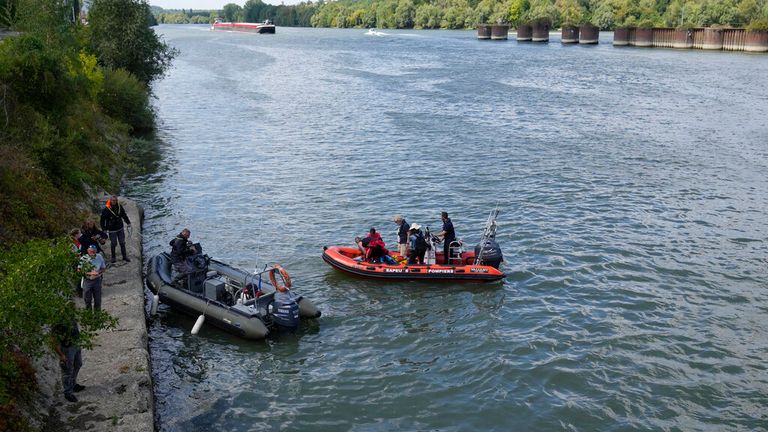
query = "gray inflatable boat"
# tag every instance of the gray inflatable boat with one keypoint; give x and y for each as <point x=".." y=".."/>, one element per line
<point x="246" y="304"/>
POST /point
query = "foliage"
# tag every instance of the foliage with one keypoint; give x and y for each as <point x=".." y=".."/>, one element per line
<point x="232" y="12"/>
<point x="64" y="121"/>
<point x="758" y="25"/>
<point x="36" y="286"/>
<point x="124" y="98"/>
<point x="605" y="14"/>
<point x="120" y="37"/>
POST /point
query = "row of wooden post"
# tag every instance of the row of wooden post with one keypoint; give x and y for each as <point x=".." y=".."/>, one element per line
<point x="695" y="38"/>
<point x="539" y="32"/>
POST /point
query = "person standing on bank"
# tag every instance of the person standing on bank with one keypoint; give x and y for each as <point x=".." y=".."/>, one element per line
<point x="66" y="343"/>
<point x="448" y="234"/>
<point x="112" y="218"/>
<point x="402" y="235"/>
<point x="92" y="267"/>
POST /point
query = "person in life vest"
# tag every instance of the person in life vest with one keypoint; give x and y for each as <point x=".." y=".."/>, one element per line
<point x="417" y="246"/>
<point x="112" y="218"/>
<point x="374" y="247"/>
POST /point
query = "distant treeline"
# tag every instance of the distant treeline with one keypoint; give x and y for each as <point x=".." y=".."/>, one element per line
<point x="464" y="14"/>
<point x="606" y="14"/>
<point x="299" y="15"/>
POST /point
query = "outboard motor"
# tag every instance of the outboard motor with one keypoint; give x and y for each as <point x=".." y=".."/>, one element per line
<point x="285" y="313"/>
<point x="489" y="253"/>
<point x="199" y="267"/>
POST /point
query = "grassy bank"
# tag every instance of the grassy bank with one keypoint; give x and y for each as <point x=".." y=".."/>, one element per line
<point x="74" y="99"/>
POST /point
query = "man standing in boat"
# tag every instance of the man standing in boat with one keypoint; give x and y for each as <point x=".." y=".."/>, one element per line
<point x="402" y="235"/>
<point x="181" y="249"/>
<point x="448" y="234"/>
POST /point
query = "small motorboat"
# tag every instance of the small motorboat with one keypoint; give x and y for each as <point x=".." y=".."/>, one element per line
<point x="249" y="305"/>
<point x="262" y="28"/>
<point x="479" y="265"/>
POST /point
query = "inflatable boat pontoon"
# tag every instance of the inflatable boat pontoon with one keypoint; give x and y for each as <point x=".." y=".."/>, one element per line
<point x="230" y="298"/>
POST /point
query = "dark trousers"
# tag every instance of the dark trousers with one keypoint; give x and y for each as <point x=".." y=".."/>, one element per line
<point x="92" y="293"/>
<point x="416" y="257"/>
<point x="70" y="368"/>
<point x="116" y="237"/>
<point x="447" y="249"/>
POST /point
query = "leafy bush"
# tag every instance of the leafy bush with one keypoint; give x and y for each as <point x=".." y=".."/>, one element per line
<point x="36" y="286"/>
<point x="758" y="25"/>
<point x="125" y="98"/>
<point x="35" y="73"/>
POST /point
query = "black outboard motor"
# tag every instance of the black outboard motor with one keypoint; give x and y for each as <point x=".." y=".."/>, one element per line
<point x="198" y="265"/>
<point x="285" y="313"/>
<point x="489" y="253"/>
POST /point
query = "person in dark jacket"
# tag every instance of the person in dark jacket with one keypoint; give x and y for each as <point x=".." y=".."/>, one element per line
<point x="112" y="218"/>
<point x="418" y="245"/>
<point x="66" y="343"/>
<point x="448" y="235"/>
<point x="181" y="249"/>
<point x="402" y="235"/>
<point x="91" y="234"/>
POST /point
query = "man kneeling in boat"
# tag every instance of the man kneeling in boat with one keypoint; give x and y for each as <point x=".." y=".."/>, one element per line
<point x="373" y="248"/>
<point x="181" y="249"/>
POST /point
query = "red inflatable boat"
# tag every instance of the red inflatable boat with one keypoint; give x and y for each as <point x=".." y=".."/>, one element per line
<point x="349" y="260"/>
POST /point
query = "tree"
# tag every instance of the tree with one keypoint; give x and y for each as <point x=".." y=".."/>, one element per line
<point x="231" y="12"/>
<point x="404" y="14"/>
<point x="120" y="37"/>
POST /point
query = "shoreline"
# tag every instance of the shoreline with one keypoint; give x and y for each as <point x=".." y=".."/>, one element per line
<point x="116" y="373"/>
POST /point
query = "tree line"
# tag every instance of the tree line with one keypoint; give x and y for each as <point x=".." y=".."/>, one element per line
<point x="466" y="14"/>
<point x="605" y="14"/>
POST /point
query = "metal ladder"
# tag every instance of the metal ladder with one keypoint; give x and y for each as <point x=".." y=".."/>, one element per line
<point x="489" y="233"/>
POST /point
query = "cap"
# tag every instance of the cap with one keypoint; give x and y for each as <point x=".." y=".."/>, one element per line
<point x="415" y="227"/>
<point x="92" y="247"/>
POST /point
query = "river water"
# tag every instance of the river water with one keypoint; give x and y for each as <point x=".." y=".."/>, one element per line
<point x="633" y="187"/>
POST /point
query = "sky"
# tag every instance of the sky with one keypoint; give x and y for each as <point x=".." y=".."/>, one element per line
<point x="210" y="4"/>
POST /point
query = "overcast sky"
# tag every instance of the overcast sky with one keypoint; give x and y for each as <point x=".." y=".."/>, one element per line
<point x="209" y="4"/>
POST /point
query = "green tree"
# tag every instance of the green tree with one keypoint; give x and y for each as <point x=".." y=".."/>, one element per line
<point x="231" y="12"/>
<point x="405" y="13"/>
<point x="37" y="280"/>
<point x="120" y="37"/>
<point x="428" y="16"/>
<point x="571" y="12"/>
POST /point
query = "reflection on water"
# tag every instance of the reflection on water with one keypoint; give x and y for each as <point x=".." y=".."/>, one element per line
<point x="633" y="193"/>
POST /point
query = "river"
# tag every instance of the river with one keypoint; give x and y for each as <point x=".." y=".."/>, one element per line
<point x="633" y="188"/>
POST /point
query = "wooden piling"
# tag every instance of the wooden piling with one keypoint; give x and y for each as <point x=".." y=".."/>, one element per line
<point x="524" y="33"/>
<point x="644" y="37"/>
<point x="483" y="31"/>
<point x="683" y="39"/>
<point x="499" y="31"/>
<point x="756" y="41"/>
<point x="540" y="31"/>
<point x="569" y="35"/>
<point x="713" y="39"/>
<point x="589" y="34"/>
<point x="621" y="37"/>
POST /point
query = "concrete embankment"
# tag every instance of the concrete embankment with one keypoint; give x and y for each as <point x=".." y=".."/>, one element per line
<point x="116" y="372"/>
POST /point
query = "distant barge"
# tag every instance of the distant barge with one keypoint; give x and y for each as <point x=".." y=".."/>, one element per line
<point x="263" y="28"/>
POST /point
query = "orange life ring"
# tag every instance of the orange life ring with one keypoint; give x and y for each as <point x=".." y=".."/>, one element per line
<point x="283" y="274"/>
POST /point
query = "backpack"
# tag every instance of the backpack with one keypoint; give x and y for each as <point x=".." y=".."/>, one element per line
<point x="421" y="243"/>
